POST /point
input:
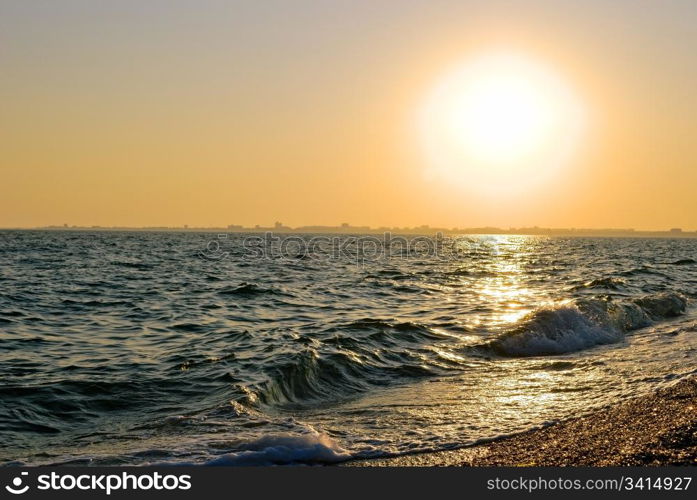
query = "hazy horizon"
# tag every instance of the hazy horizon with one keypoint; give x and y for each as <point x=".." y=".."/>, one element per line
<point x="215" y="113"/>
<point x="286" y="227"/>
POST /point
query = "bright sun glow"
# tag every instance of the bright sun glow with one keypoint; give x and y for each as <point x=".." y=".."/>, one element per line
<point x="499" y="121"/>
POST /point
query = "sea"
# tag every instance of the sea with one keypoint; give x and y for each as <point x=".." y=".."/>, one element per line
<point x="141" y="348"/>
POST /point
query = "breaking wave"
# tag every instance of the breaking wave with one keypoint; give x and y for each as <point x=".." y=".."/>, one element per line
<point x="584" y="323"/>
<point x="285" y="449"/>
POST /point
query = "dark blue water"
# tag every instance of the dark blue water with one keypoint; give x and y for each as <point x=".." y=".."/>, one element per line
<point x="137" y="347"/>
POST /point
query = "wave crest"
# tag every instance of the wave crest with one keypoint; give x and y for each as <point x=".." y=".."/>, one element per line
<point x="350" y="358"/>
<point x="248" y="290"/>
<point x="584" y="324"/>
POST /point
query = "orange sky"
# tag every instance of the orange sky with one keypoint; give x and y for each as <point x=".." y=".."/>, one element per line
<point x="177" y="113"/>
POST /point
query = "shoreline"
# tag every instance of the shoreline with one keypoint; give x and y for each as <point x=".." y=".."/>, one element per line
<point x="658" y="429"/>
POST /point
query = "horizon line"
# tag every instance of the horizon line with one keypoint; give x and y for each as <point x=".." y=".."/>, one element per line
<point x="346" y="227"/>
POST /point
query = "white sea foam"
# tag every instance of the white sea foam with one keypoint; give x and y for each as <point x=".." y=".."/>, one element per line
<point x="556" y="331"/>
<point x="584" y="324"/>
<point x="283" y="449"/>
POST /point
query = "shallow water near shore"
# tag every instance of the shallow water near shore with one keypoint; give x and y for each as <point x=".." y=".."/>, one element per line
<point x="138" y="348"/>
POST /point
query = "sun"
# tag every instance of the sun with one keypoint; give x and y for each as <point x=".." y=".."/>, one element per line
<point x="499" y="121"/>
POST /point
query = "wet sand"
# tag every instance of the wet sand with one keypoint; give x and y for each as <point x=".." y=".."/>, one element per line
<point x="658" y="429"/>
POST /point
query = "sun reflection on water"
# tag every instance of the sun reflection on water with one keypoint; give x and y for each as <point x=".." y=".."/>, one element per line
<point x="501" y="284"/>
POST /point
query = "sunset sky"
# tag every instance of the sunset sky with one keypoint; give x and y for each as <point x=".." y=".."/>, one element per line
<point x="211" y="113"/>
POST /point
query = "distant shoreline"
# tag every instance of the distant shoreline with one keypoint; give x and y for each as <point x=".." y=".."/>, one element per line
<point x="659" y="429"/>
<point x="426" y="231"/>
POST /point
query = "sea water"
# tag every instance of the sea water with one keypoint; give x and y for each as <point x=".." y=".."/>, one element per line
<point x="163" y="347"/>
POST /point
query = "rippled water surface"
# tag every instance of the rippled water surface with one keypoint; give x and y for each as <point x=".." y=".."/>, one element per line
<point x="140" y="348"/>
